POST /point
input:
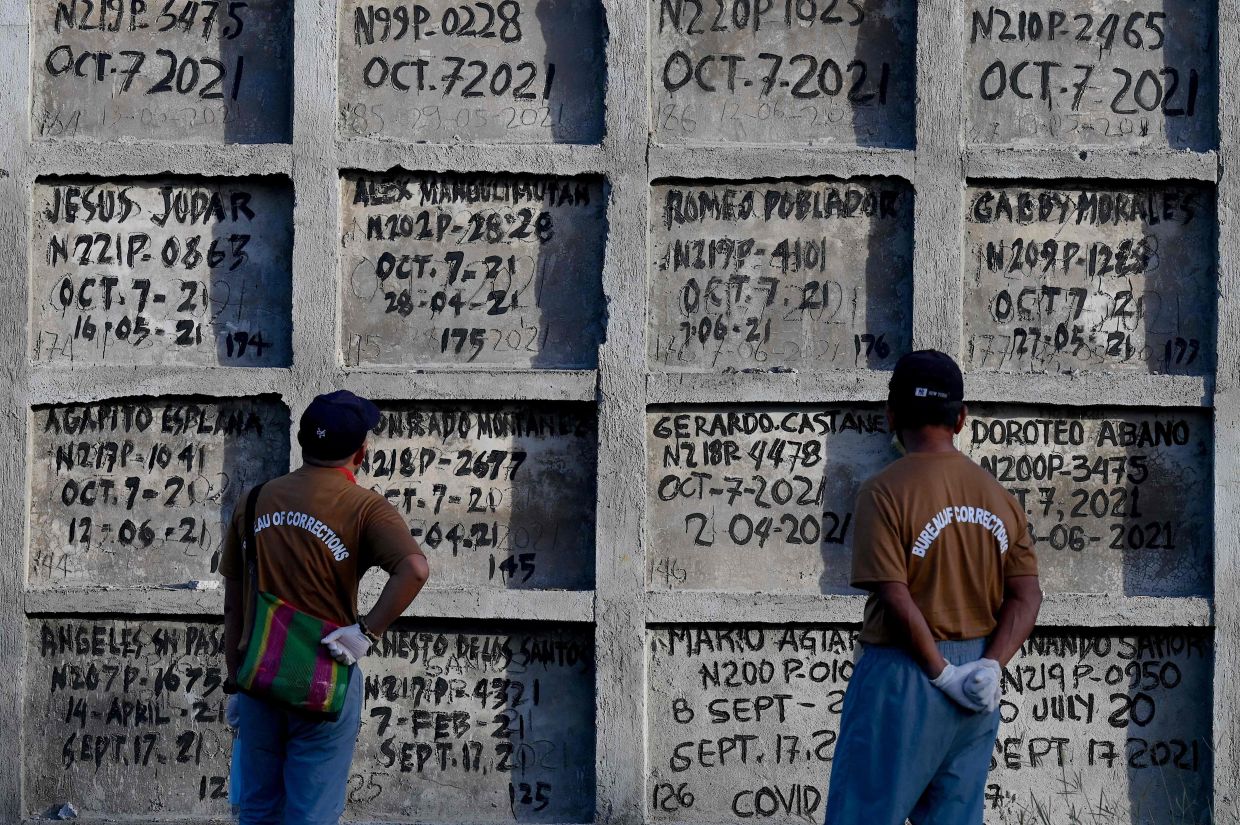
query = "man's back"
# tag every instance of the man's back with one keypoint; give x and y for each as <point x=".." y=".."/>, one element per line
<point x="944" y="526"/>
<point x="317" y="532"/>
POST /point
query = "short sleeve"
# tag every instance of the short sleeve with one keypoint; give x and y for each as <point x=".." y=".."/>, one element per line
<point x="1020" y="559"/>
<point x="878" y="553"/>
<point x="231" y="564"/>
<point x="386" y="537"/>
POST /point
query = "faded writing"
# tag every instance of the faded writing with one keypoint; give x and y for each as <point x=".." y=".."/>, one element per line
<point x="137" y="271"/>
<point x="462" y="270"/>
<point x="178" y="70"/>
<point x="757" y="499"/>
<point x="744" y="720"/>
<point x="1105" y="72"/>
<point x="139" y="491"/>
<point x="508" y="71"/>
<point x="1065" y="279"/>
<point x="1118" y="501"/>
<point x="761" y="275"/>
<point x="783" y="71"/>
<point x="498" y="495"/>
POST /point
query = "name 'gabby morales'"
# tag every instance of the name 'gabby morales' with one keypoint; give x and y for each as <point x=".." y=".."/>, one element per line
<point x="730" y="424"/>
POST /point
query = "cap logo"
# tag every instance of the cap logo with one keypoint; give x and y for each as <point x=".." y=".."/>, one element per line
<point x="924" y="392"/>
<point x="321" y="433"/>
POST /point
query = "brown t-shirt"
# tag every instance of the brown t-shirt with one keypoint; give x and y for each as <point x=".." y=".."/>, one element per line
<point x="317" y="533"/>
<point x="945" y="527"/>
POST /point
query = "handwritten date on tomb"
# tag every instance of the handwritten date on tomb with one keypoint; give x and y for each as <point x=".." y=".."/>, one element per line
<point x="135" y="270"/>
<point x="1111" y="73"/>
<point x="1065" y="279"/>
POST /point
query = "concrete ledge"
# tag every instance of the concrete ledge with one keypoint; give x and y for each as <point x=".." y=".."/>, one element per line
<point x="518" y="605"/>
<point x="740" y="162"/>
<point x="1090" y="389"/>
<point x="1058" y="610"/>
<point x="58" y="385"/>
<point x="766" y="387"/>
<point x="381" y="155"/>
<point x="480" y="385"/>
<point x="118" y="158"/>
<point x="1060" y="162"/>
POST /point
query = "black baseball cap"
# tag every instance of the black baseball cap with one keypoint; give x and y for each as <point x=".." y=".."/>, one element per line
<point x="925" y="378"/>
<point x="335" y="425"/>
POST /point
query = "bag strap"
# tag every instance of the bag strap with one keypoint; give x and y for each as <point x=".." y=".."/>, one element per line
<point x="249" y="546"/>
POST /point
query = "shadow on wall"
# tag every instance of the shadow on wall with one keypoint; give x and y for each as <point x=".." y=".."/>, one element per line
<point x="569" y="29"/>
<point x="273" y="106"/>
<point x="887" y="34"/>
<point x="1189" y="64"/>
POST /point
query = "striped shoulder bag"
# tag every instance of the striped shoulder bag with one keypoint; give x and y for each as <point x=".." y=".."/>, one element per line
<point x="285" y="662"/>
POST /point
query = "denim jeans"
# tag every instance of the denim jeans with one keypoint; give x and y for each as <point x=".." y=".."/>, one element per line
<point x="905" y="750"/>
<point x="294" y="771"/>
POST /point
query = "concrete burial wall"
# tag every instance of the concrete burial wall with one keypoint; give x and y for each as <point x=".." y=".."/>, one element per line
<point x="625" y="279"/>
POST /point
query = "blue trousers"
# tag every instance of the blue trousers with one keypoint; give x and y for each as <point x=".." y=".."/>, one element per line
<point x="905" y="750"/>
<point x="295" y="771"/>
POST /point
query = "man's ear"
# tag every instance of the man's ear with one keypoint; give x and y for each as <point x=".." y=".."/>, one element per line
<point x="360" y="455"/>
<point x="964" y="413"/>
<point x="891" y="420"/>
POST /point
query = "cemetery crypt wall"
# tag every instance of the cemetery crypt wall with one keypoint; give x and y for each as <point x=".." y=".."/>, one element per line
<point x="626" y="280"/>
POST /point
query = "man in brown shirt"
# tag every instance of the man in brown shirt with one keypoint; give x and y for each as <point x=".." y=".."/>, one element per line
<point x="316" y="533"/>
<point x="947" y="558"/>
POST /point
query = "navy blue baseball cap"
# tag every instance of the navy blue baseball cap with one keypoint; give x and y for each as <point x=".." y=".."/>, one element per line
<point x="925" y="378"/>
<point x="335" y="425"/>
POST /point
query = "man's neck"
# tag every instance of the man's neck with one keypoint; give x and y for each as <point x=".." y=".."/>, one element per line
<point x="928" y="440"/>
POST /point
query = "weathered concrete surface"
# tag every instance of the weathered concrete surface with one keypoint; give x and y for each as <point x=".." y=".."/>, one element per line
<point x="497" y="495"/>
<point x="1098" y="72"/>
<point x="459" y="722"/>
<point x="125" y="717"/>
<point x="783" y="71"/>
<point x="139" y="490"/>
<point x="758" y="498"/>
<point x="1118" y="500"/>
<point x="1114" y="278"/>
<point x="501" y="71"/>
<point x="139" y="271"/>
<point x="743" y="721"/>
<point x="807" y="275"/>
<point x="183" y="71"/>
<point x="463" y="270"/>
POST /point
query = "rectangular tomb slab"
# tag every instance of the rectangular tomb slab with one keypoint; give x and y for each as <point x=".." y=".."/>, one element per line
<point x="501" y="71"/>
<point x="182" y="71"/>
<point x="743" y="723"/>
<point x="1088" y="278"/>
<point x="809" y="275"/>
<point x="498" y="495"/>
<point x="1097" y="73"/>
<point x="162" y="270"/>
<point x="783" y="71"/>
<point x="139" y="491"/>
<point x="1118" y="501"/>
<point x="462" y="270"/>
<point x="757" y="498"/>
<point x="462" y="722"/>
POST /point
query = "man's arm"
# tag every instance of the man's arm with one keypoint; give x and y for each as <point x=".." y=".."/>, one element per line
<point x="234" y="621"/>
<point x="403" y="585"/>
<point x="911" y="627"/>
<point x="1022" y="598"/>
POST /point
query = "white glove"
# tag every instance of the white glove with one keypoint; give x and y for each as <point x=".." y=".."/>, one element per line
<point x="983" y="684"/>
<point x="951" y="681"/>
<point x="232" y="711"/>
<point x="347" y="644"/>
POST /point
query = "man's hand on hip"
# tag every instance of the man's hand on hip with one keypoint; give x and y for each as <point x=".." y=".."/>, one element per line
<point x="952" y="682"/>
<point x="347" y="644"/>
